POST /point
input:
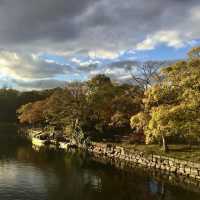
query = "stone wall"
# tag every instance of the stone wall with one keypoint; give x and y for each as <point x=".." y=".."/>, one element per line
<point x="133" y="157"/>
<point x="120" y="157"/>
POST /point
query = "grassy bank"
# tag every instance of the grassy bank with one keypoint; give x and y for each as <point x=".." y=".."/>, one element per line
<point x="178" y="151"/>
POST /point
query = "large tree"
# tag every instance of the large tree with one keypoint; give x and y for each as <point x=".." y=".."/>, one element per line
<point x="98" y="107"/>
<point x="112" y="104"/>
<point x="173" y="107"/>
<point x="145" y="74"/>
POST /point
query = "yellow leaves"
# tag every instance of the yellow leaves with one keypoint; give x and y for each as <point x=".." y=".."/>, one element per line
<point x="139" y="120"/>
<point x="32" y="112"/>
<point x="194" y="53"/>
<point x="171" y="71"/>
<point x="23" y="113"/>
<point x="119" y="120"/>
<point x="161" y="95"/>
<point x="171" y="120"/>
<point x="174" y="104"/>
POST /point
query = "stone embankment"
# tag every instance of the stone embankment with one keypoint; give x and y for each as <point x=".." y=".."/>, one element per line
<point x="131" y="157"/>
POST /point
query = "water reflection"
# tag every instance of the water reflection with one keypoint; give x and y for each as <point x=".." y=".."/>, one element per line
<point x="29" y="173"/>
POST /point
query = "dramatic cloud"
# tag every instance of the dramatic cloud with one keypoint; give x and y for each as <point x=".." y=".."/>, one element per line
<point x="24" y="71"/>
<point x="92" y="36"/>
<point x="170" y="38"/>
<point x="29" y="67"/>
<point x="94" y="24"/>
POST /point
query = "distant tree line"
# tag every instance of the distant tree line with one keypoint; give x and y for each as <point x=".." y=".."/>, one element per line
<point x="11" y="100"/>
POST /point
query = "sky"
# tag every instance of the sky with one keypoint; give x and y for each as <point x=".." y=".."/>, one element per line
<point x="46" y="43"/>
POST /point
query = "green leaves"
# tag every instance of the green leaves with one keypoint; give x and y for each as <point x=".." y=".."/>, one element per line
<point x="174" y="104"/>
<point x="99" y="106"/>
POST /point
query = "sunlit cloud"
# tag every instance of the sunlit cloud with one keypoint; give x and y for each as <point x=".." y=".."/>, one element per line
<point x="42" y="41"/>
<point x="169" y="38"/>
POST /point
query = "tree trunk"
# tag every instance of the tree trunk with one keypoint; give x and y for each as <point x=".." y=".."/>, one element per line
<point x="162" y="192"/>
<point x="164" y="144"/>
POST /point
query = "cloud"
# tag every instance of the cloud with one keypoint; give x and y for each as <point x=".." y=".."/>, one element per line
<point x="91" y="36"/>
<point x="105" y="25"/>
<point x="170" y="38"/>
<point x="24" y="71"/>
<point x="116" y="70"/>
<point x="103" y="54"/>
<point x="40" y="20"/>
<point x="29" y="67"/>
<point x="85" y="62"/>
<point x="38" y="84"/>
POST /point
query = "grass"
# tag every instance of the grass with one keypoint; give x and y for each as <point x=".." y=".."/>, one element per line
<point x="179" y="151"/>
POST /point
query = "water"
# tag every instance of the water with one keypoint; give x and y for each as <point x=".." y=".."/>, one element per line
<point x="28" y="174"/>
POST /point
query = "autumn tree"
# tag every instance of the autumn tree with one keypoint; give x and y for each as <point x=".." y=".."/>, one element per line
<point x="127" y="101"/>
<point x="67" y="106"/>
<point x="173" y="107"/>
<point x="32" y="113"/>
<point x="112" y="105"/>
<point x="11" y="100"/>
<point x="194" y="53"/>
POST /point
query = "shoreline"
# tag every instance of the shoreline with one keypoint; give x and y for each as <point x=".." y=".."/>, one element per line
<point x="120" y="157"/>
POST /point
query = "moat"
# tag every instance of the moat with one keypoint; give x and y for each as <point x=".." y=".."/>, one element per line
<point x="30" y="173"/>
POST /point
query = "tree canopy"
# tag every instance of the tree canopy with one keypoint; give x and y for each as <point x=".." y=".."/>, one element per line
<point x="100" y="107"/>
<point x="11" y="100"/>
<point x="166" y="105"/>
<point x="173" y="106"/>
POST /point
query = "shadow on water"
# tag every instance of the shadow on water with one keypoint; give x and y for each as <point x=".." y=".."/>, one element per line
<point x="28" y="173"/>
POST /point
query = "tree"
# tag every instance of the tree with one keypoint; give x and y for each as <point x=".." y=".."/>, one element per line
<point x="128" y="101"/>
<point x="100" y="93"/>
<point x="194" y="53"/>
<point x="112" y="105"/>
<point x="96" y="108"/>
<point x="32" y="113"/>
<point x="11" y="100"/>
<point x="139" y="121"/>
<point x="173" y="106"/>
<point x="145" y="74"/>
<point x="8" y="104"/>
<point x="67" y="106"/>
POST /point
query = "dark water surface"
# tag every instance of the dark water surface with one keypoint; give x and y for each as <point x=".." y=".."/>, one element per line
<point x="28" y="174"/>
